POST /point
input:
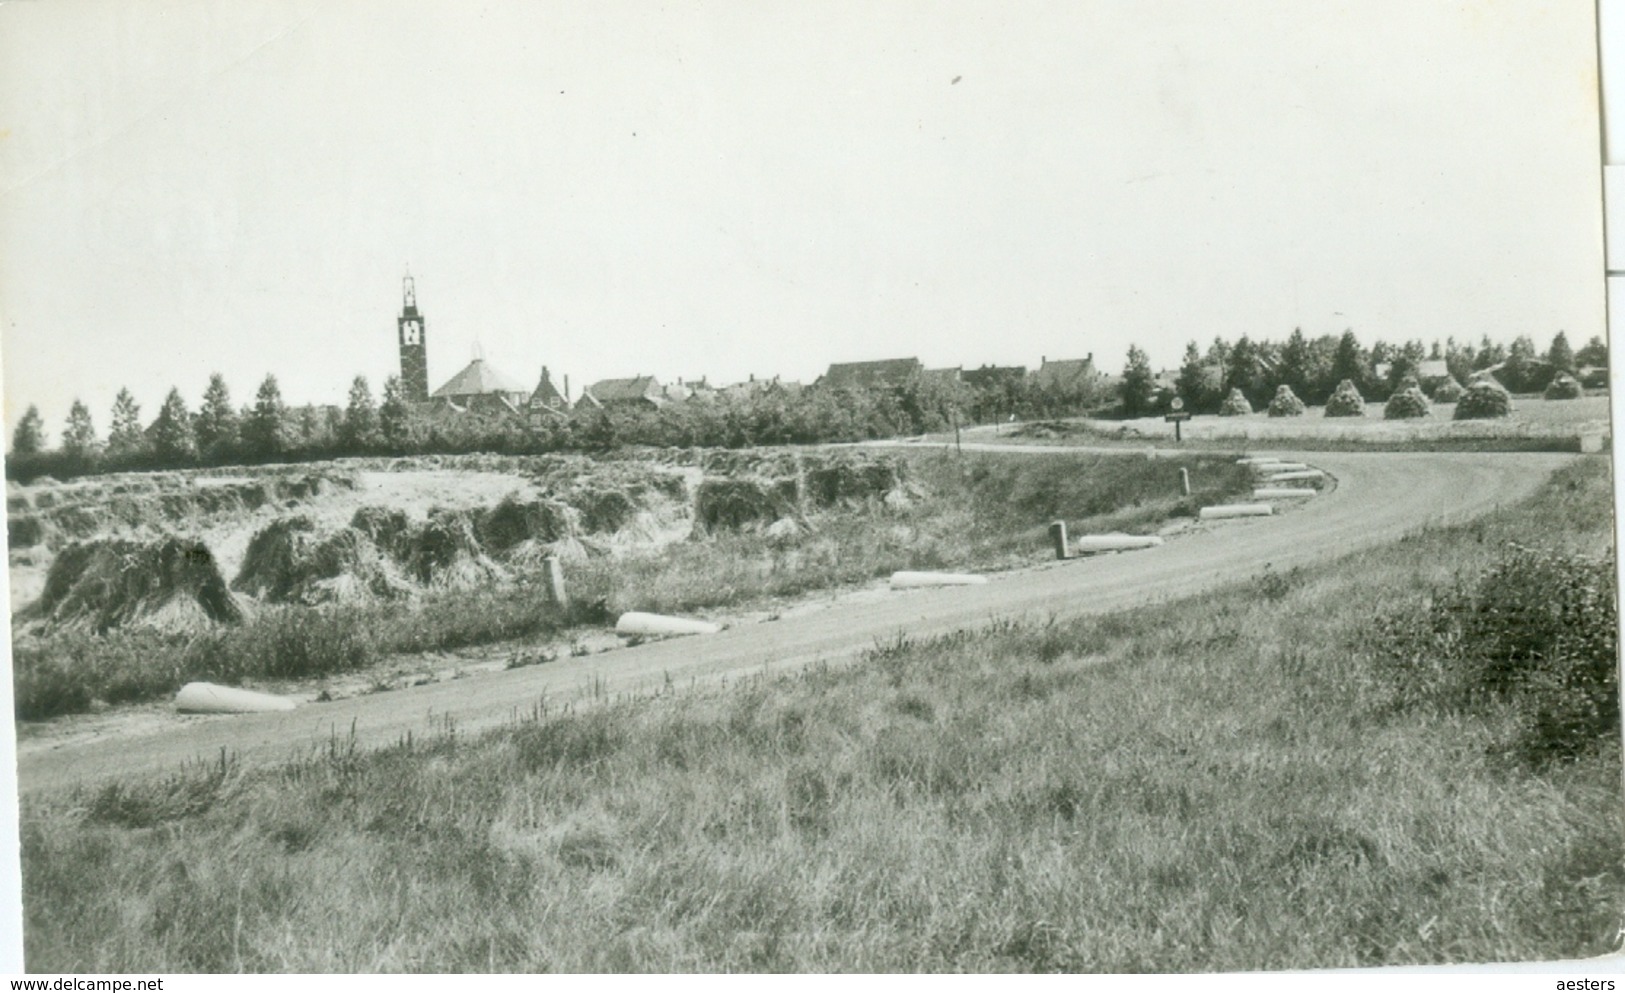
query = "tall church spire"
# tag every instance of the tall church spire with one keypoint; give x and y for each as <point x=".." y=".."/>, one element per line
<point x="413" y="345"/>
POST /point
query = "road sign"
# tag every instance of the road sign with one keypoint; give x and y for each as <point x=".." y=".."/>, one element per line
<point x="1177" y="403"/>
<point x="1177" y="416"/>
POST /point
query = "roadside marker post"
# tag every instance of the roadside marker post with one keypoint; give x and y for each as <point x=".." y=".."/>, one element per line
<point x="1177" y="414"/>
<point x="1184" y="482"/>
<point x="1057" y="534"/>
<point x="555" y="582"/>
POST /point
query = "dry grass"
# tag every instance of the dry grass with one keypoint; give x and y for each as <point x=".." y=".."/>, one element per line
<point x="1223" y="783"/>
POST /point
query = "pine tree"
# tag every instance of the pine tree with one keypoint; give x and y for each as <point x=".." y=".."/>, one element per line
<point x="1245" y="372"/>
<point x="1193" y="385"/>
<point x="1489" y="353"/>
<point x="216" y="426"/>
<point x="1594" y="353"/>
<point x="1294" y="370"/>
<point x="79" y="433"/>
<point x="1560" y="356"/>
<point x="1138" y="385"/>
<point x="172" y="438"/>
<point x="1350" y="362"/>
<point x="394" y="415"/>
<point x="266" y="430"/>
<point x="125" y="436"/>
<point x="29" y="438"/>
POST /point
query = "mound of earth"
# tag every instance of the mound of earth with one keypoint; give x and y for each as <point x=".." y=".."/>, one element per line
<point x="171" y="583"/>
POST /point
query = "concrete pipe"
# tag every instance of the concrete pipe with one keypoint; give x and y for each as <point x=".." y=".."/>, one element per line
<point x="207" y="698"/>
<point x="1116" y="542"/>
<point x="916" y="580"/>
<point x="1295" y="476"/>
<point x="1236" y="510"/>
<point x="1281" y="467"/>
<point x="635" y="623"/>
<point x="1258" y="460"/>
<point x="1281" y="493"/>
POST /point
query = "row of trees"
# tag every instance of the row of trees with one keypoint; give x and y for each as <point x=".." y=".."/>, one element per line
<point x="220" y="433"/>
<point x="1314" y="366"/>
<point x="217" y="433"/>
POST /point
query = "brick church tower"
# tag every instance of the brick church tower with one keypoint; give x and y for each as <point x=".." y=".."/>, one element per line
<point x="414" y="350"/>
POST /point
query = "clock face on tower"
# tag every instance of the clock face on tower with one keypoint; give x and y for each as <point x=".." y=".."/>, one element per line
<point x="411" y="333"/>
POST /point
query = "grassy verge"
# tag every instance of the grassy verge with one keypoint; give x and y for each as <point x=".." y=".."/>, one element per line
<point x="1235" y="781"/>
<point x="979" y="511"/>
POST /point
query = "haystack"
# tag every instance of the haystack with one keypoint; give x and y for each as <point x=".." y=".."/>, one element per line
<point x="1285" y="403"/>
<point x="1407" y="404"/>
<point x="513" y="520"/>
<point x="1236" y="404"/>
<point x="1447" y="391"/>
<point x="851" y="477"/>
<point x="1345" y="401"/>
<point x="1563" y="387"/>
<point x="446" y="551"/>
<point x="731" y="504"/>
<point x="170" y="583"/>
<point x="289" y="561"/>
<point x="1484" y="399"/>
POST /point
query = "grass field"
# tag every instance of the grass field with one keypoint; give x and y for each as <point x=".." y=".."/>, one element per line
<point x="971" y="512"/>
<point x="1231" y="782"/>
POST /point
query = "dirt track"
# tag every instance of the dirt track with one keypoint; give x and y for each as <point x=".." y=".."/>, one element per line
<point x="1379" y="496"/>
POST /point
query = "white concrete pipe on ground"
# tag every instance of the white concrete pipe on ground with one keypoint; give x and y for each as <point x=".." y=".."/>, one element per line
<point x="1295" y="476"/>
<point x="1116" y="542"/>
<point x="1281" y="467"/>
<point x="915" y="580"/>
<point x="207" y="698"/>
<point x="1281" y="493"/>
<point x="635" y="623"/>
<point x="1236" y="510"/>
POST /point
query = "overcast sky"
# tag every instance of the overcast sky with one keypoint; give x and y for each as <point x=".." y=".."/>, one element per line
<point x="730" y="188"/>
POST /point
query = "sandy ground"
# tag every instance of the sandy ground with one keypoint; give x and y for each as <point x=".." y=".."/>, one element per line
<point x="1378" y="497"/>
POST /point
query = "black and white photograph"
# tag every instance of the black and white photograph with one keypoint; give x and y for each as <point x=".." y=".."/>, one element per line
<point x="638" y="487"/>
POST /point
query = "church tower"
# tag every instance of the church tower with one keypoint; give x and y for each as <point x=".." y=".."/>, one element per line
<point x="414" y="352"/>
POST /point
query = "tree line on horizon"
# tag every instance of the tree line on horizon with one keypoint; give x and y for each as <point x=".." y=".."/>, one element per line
<point x="220" y="433"/>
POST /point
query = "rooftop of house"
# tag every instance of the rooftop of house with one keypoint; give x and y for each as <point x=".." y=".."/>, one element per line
<point x="479" y="377"/>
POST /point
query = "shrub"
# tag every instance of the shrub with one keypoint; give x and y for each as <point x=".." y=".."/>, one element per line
<point x="1285" y="403"/>
<point x="1448" y="391"/>
<point x="1405" y="405"/>
<point x="1235" y="404"/>
<point x="1345" y="401"/>
<point x="1484" y="399"/>
<point x="1564" y="387"/>
<point x="1538" y="632"/>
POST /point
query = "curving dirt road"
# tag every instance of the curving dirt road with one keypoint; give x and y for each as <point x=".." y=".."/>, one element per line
<point x="1378" y="496"/>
